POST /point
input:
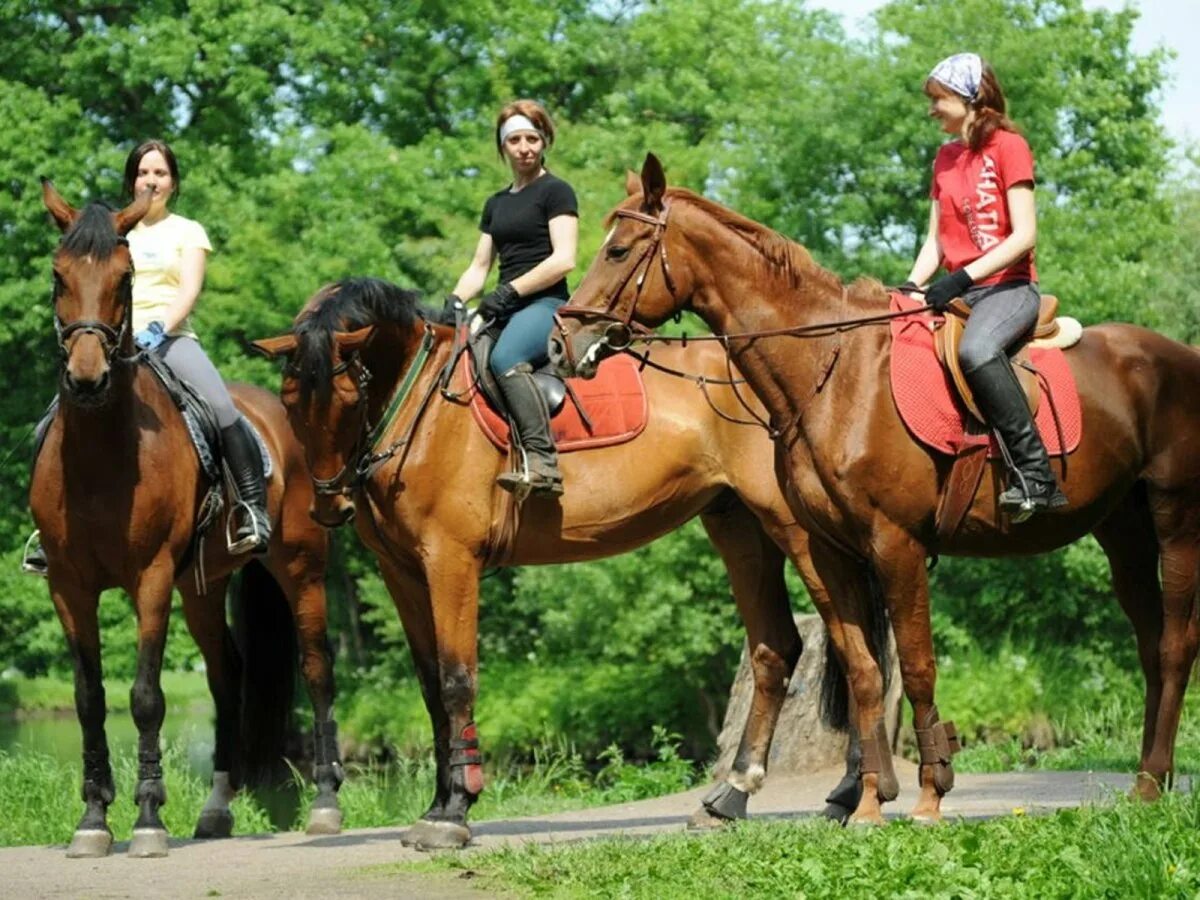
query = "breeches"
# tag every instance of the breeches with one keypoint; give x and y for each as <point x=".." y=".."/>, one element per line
<point x="1001" y="315"/>
<point x="189" y="361"/>
<point x="524" y="338"/>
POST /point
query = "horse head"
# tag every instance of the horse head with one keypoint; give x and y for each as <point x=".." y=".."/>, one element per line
<point x="640" y="278"/>
<point x="93" y="303"/>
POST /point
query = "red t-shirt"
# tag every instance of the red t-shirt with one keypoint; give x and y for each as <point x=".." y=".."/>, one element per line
<point x="971" y="190"/>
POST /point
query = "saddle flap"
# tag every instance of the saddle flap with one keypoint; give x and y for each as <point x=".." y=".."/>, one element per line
<point x="946" y="341"/>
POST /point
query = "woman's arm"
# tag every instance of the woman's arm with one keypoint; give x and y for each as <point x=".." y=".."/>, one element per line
<point x="1022" y="215"/>
<point x="926" y="264"/>
<point x="472" y="280"/>
<point x="191" y="279"/>
<point x="564" y="237"/>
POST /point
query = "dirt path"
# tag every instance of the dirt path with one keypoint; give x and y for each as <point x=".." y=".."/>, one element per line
<point x="351" y="865"/>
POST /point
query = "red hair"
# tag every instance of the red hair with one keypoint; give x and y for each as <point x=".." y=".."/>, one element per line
<point x="534" y="112"/>
<point x="989" y="105"/>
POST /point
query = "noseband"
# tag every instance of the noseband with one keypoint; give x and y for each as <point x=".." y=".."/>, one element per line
<point x="621" y="330"/>
<point x="340" y="483"/>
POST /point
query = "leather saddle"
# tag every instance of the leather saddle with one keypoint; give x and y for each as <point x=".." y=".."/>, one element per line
<point x="552" y="388"/>
<point x="949" y="335"/>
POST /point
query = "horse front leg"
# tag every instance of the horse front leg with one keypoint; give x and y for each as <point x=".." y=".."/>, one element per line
<point x="76" y="609"/>
<point x="205" y="615"/>
<point x="152" y="599"/>
<point x="756" y="568"/>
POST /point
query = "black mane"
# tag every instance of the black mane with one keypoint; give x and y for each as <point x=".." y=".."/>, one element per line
<point x="348" y="305"/>
<point x="93" y="233"/>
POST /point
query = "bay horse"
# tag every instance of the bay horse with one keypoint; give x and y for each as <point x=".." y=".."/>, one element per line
<point x="867" y="492"/>
<point x="115" y="493"/>
<point x="429" y="512"/>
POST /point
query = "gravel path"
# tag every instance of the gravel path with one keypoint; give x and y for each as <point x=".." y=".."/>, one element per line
<point x="348" y="865"/>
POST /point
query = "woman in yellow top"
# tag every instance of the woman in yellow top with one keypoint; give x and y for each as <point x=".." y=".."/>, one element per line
<point x="169" y="255"/>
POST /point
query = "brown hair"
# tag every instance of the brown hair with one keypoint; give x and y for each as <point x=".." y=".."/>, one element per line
<point x="135" y="158"/>
<point x="989" y="106"/>
<point x="534" y="112"/>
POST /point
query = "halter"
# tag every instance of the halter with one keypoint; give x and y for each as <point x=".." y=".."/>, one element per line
<point x="620" y="333"/>
<point x="110" y="338"/>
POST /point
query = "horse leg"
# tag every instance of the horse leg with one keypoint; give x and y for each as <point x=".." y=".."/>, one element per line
<point x="755" y="566"/>
<point x="306" y="596"/>
<point x="900" y="563"/>
<point x="153" y="604"/>
<point x="410" y="594"/>
<point x="76" y="609"/>
<point x="842" y="591"/>
<point x="205" y="616"/>
<point x="1177" y="524"/>
<point x="1129" y="542"/>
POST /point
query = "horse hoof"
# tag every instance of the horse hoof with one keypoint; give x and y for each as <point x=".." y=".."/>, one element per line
<point x="926" y="819"/>
<point x="148" y="843"/>
<point x="426" y="835"/>
<point x="91" y="843"/>
<point x="214" y="824"/>
<point x="835" y="812"/>
<point x="703" y="820"/>
<point x="856" y="821"/>
<point x="324" y="820"/>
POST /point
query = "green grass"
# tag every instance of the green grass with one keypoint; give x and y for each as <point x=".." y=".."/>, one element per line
<point x="1128" y="850"/>
<point x="25" y="696"/>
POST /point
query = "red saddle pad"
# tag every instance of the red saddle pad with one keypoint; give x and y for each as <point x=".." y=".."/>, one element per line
<point x="931" y="410"/>
<point x="615" y="401"/>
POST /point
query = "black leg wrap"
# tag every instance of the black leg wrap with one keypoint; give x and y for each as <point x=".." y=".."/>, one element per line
<point x="97" y="778"/>
<point x="726" y="802"/>
<point x="150" y="766"/>
<point x="843" y="800"/>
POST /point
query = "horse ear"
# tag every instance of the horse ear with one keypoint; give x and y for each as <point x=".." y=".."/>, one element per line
<point x="132" y="214"/>
<point x="349" y="341"/>
<point x="654" y="183"/>
<point x="633" y="184"/>
<point x="275" y="346"/>
<point x="64" y="214"/>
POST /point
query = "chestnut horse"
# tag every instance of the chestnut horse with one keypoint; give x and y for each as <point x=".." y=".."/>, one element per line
<point x="114" y="492"/>
<point x="429" y="511"/>
<point x="867" y="492"/>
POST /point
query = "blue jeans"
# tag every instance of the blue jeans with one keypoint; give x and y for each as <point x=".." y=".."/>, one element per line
<point x="524" y="338"/>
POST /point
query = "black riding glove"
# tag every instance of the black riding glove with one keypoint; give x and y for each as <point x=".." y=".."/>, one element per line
<point x="500" y="303"/>
<point x="451" y="308"/>
<point x="909" y="287"/>
<point x="946" y="288"/>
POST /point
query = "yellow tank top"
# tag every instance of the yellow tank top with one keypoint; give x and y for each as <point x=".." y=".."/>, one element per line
<point x="157" y="252"/>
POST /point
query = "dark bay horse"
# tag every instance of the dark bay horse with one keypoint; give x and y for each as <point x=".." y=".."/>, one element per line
<point x="867" y="492"/>
<point x="114" y="492"/>
<point x="431" y="514"/>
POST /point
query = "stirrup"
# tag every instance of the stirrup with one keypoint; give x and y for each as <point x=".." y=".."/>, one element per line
<point x="33" y="557"/>
<point x="521" y="483"/>
<point x="255" y="541"/>
<point x="1020" y="502"/>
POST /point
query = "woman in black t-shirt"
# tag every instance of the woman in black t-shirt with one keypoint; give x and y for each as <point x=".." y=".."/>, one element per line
<point x="533" y="226"/>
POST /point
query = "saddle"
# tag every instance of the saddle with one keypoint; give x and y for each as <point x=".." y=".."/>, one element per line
<point x="552" y="388"/>
<point x="949" y="335"/>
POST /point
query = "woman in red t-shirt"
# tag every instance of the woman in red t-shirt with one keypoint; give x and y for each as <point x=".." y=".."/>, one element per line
<point x="982" y="228"/>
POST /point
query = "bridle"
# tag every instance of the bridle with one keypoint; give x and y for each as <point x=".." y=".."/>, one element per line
<point x="338" y="484"/>
<point x="621" y="331"/>
<point x="110" y="338"/>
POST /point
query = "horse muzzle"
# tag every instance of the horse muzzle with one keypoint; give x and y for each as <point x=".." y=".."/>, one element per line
<point x="332" y="511"/>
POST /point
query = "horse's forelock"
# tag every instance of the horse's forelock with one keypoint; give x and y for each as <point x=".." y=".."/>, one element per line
<point x="93" y="233"/>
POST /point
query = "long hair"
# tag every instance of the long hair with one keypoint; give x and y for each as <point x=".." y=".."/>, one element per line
<point x="989" y="106"/>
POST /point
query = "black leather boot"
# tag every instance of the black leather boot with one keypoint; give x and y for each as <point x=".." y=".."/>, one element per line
<point x="1032" y="487"/>
<point x="530" y="422"/>
<point x="244" y="461"/>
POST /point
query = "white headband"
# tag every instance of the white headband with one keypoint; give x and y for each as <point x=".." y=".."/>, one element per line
<point x="962" y="73"/>
<point x="517" y="123"/>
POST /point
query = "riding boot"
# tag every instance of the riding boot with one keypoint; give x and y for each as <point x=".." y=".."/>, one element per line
<point x="1032" y="487"/>
<point x="244" y="461"/>
<point x="530" y="421"/>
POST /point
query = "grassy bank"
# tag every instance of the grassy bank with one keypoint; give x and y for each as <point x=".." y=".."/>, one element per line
<point x="23" y="696"/>
<point x="1126" y="850"/>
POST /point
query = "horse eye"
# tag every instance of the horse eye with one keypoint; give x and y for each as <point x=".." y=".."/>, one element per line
<point x="617" y="252"/>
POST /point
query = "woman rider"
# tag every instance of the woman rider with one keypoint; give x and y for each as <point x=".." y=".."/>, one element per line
<point x="532" y="224"/>
<point x="169" y="254"/>
<point x="983" y="227"/>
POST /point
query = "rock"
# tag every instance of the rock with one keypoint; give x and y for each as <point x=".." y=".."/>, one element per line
<point x="801" y="743"/>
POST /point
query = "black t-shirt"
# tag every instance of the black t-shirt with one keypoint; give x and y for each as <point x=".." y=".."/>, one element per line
<point x="520" y="227"/>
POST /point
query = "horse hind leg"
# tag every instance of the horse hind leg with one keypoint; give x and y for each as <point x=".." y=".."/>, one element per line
<point x="756" y="575"/>
<point x="77" y="612"/>
<point x="1128" y="540"/>
<point x="205" y="616"/>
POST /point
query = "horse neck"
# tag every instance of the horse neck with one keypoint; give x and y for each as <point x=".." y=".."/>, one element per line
<point x="388" y="358"/>
<point x="116" y="422"/>
<point x="741" y="292"/>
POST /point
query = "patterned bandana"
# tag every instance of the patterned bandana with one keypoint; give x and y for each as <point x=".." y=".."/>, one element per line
<point x="961" y="72"/>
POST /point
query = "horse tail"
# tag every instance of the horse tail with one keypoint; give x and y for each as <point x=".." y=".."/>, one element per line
<point x="266" y="635"/>
<point x="835" y="691"/>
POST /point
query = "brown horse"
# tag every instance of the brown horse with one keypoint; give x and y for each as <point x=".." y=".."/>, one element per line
<point x="115" y="491"/>
<point x="431" y="514"/>
<point x="867" y="492"/>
